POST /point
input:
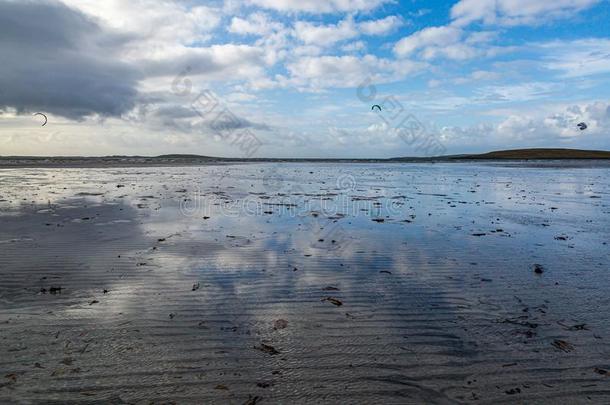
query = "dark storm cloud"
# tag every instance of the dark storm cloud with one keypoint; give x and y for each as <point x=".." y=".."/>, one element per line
<point x="188" y="120"/>
<point x="58" y="60"/>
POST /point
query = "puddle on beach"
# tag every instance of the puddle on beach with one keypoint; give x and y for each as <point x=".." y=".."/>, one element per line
<point x="305" y="283"/>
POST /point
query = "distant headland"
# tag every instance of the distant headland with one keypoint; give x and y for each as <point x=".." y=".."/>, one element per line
<point x="189" y="159"/>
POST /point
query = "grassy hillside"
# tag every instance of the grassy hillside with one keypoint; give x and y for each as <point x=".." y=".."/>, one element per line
<point x="541" y="154"/>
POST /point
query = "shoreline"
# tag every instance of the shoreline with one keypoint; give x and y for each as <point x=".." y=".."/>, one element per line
<point x="599" y="158"/>
<point x="101" y="163"/>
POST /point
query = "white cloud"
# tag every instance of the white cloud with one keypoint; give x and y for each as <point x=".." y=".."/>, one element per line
<point x="354" y="47"/>
<point x="307" y="50"/>
<point x="515" y="12"/>
<point x="448" y="42"/>
<point x="454" y="52"/>
<point x="432" y="36"/>
<point x="382" y="26"/>
<point x="153" y="22"/>
<point x="452" y="42"/>
<point x="239" y="97"/>
<point x="578" y="58"/>
<point x="347" y="71"/>
<point x="595" y="115"/>
<point x="518" y="92"/>
<point x="320" y="6"/>
<point x="325" y="35"/>
<point x="328" y="35"/>
<point x="420" y="13"/>
<point x="538" y="129"/>
<point x="478" y="76"/>
<point x="433" y="83"/>
<point x="481" y="37"/>
<point x="258" y="24"/>
<point x="217" y="62"/>
<point x="284" y="46"/>
<point x="158" y="38"/>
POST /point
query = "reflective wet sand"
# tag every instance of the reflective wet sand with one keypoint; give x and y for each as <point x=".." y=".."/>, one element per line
<point x="305" y="283"/>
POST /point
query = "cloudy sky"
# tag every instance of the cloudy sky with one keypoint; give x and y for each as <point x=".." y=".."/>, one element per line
<point x="154" y="77"/>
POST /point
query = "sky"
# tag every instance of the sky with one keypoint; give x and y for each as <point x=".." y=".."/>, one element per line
<point x="298" y="78"/>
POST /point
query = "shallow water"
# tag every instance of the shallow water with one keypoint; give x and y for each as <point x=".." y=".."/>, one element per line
<point x="173" y="281"/>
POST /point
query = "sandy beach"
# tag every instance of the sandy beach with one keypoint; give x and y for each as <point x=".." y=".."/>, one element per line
<point x="305" y="283"/>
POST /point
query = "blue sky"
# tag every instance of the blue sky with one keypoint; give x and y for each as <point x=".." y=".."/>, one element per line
<point x="476" y="75"/>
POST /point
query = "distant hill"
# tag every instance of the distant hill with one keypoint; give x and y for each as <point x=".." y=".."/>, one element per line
<point x="519" y="154"/>
<point x="515" y="154"/>
<point x="184" y="156"/>
<point x="541" y="153"/>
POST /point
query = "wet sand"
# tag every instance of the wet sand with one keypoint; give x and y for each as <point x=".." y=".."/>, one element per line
<point x="305" y="283"/>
